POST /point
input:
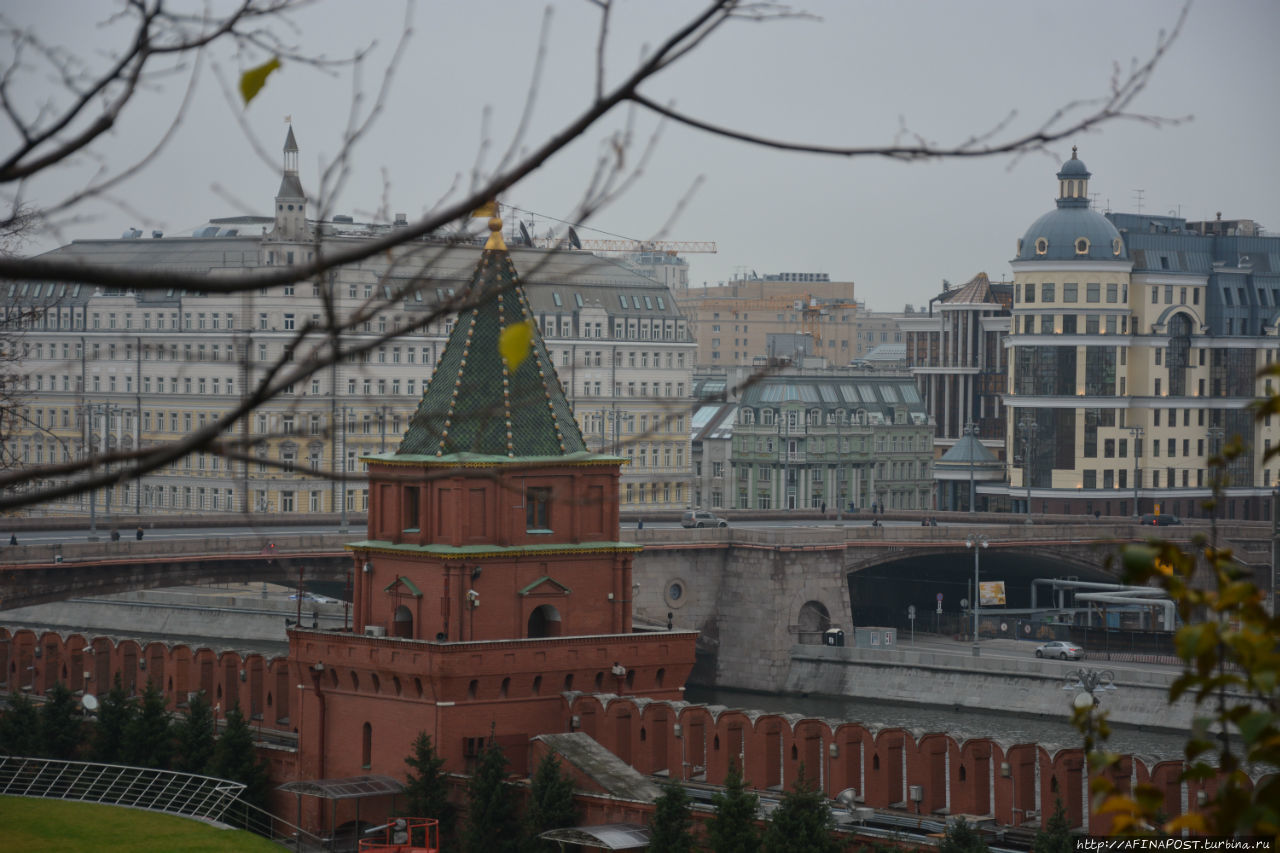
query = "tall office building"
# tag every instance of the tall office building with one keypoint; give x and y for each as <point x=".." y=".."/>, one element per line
<point x="1136" y="343"/>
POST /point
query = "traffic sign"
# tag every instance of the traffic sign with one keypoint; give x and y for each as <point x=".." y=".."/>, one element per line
<point x="911" y="611"/>
<point x="939" y="596"/>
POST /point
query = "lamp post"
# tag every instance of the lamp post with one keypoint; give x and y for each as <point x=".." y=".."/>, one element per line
<point x="1028" y="428"/>
<point x="1275" y="548"/>
<point x="1089" y="683"/>
<point x="977" y="542"/>
<point x="341" y="465"/>
<point x="1136" y="432"/>
<point x="971" y="429"/>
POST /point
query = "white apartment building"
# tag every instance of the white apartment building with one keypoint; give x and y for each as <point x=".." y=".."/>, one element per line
<point x="121" y="369"/>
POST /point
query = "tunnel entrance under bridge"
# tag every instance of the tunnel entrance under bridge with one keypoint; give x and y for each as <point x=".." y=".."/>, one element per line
<point x="882" y="594"/>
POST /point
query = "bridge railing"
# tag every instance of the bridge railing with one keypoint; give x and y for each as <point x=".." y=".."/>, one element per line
<point x="809" y="536"/>
<point x="132" y="550"/>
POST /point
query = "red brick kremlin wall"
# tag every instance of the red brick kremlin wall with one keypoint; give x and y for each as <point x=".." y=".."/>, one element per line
<point x="653" y="730"/>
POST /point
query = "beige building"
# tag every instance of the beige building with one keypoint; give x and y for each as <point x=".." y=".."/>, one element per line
<point x="732" y="322"/>
<point x="1135" y="344"/>
<point x="125" y="369"/>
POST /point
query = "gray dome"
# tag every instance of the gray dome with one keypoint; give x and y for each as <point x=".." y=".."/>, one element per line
<point x="1074" y="168"/>
<point x="1062" y="227"/>
<point x="1074" y="231"/>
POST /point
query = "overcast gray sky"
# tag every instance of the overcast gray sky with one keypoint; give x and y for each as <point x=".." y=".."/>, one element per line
<point x="945" y="70"/>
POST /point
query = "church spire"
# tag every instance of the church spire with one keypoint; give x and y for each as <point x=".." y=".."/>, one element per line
<point x="291" y="200"/>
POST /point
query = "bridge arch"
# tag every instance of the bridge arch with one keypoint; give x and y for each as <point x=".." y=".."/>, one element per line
<point x="812" y="622"/>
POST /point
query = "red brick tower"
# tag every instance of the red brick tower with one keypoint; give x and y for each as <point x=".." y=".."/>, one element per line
<point x="492" y="581"/>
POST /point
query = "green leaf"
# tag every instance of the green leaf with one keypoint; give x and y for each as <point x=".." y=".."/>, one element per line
<point x="514" y="342"/>
<point x="1139" y="561"/>
<point x="252" y="81"/>
<point x="1252" y="726"/>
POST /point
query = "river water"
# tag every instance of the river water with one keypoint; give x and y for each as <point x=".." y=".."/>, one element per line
<point x="963" y="722"/>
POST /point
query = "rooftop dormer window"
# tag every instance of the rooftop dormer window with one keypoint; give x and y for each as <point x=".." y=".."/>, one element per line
<point x="1042" y="246"/>
<point x="1082" y="246"/>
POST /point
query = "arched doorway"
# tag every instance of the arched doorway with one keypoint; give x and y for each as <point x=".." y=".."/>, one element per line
<point x="402" y="623"/>
<point x="544" y="621"/>
<point x="813" y="622"/>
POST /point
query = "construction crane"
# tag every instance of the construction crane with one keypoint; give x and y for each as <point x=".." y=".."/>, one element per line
<point x="671" y="247"/>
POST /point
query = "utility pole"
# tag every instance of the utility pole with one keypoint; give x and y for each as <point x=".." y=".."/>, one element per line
<point x="1136" y="432"/>
<point x="1028" y="428"/>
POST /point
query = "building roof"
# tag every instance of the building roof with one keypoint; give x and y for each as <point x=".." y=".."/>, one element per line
<point x="601" y="766"/>
<point x="976" y="291"/>
<point x="477" y="401"/>
<point x="713" y="422"/>
<point x="1072" y="219"/>
<point x="969" y="449"/>
<point x="879" y="397"/>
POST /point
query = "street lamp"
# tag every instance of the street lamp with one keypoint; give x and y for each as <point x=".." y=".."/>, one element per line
<point x="1028" y="428"/>
<point x="341" y="465"/>
<point x="1089" y="683"/>
<point x="1136" y="432"/>
<point x="977" y="542"/>
<point x="971" y="429"/>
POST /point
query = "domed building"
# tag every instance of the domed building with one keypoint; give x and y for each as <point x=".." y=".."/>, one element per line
<point x="1134" y="345"/>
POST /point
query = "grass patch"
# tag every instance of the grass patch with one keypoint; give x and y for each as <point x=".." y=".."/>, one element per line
<point x="30" y="824"/>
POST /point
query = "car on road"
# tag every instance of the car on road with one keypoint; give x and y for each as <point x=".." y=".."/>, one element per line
<point x="1060" y="649"/>
<point x="1152" y="519"/>
<point x="701" y="518"/>
<point x="313" y="597"/>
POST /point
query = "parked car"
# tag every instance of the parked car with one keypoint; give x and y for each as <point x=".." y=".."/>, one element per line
<point x="1060" y="649"/>
<point x="702" y="518"/>
<point x="1160" y="520"/>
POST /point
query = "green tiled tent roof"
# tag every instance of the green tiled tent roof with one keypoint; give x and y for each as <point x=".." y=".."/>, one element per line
<point x="473" y="403"/>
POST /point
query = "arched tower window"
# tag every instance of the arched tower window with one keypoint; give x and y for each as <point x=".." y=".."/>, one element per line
<point x="366" y="746"/>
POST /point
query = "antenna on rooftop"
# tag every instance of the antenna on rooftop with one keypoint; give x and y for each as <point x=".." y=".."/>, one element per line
<point x="1138" y="195"/>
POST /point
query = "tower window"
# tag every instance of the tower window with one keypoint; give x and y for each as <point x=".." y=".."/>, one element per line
<point x="1082" y="246"/>
<point x="537" y="509"/>
<point x="1042" y="246"/>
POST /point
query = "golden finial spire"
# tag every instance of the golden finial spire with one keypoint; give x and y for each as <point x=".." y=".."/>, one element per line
<point x="490" y="209"/>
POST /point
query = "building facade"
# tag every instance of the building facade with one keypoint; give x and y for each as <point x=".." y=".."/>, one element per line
<point x="956" y="353"/>
<point x="124" y="369"/>
<point x="1135" y="346"/>
<point x="732" y="323"/>
<point x="809" y="440"/>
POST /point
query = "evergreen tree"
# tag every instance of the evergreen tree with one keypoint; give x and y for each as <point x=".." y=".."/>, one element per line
<point x="236" y="759"/>
<point x="962" y="838"/>
<point x="149" y="736"/>
<point x="491" y="816"/>
<point x="1055" y="837"/>
<point x="550" y="804"/>
<point x="427" y="787"/>
<point x="61" y="726"/>
<point x="670" y="828"/>
<point x="732" y="828"/>
<point x="115" y="710"/>
<point x="20" y="727"/>
<point x="802" y="823"/>
<point x="194" y="737"/>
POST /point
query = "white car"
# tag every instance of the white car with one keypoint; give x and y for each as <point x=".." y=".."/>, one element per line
<point x="1060" y="649"/>
<point x="702" y="518"/>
